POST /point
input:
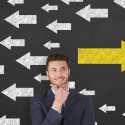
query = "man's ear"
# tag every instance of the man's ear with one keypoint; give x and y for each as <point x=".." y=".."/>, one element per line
<point x="47" y="73"/>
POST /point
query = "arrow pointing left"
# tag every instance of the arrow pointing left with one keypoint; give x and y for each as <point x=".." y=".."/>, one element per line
<point x="9" y="121"/>
<point x="13" y="92"/>
<point x="106" y="108"/>
<point x="13" y="2"/>
<point x="68" y="1"/>
<point x="50" y="45"/>
<point x="87" y="92"/>
<point x="40" y="77"/>
<point x="120" y="3"/>
<point x="88" y="13"/>
<point x="16" y="19"/>
<point x="28" y="60"/>
<point x="54" y="26"/>
<point x="8" y="42"/>
<point x="123" y="114"/>
<point x="47" y="7"/>
<point x="1" y="69"/>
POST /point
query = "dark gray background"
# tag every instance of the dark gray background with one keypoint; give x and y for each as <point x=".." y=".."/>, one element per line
<point x="107" y="80"/>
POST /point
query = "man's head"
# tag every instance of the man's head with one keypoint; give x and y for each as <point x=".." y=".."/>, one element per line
<point x="58" y="69"/>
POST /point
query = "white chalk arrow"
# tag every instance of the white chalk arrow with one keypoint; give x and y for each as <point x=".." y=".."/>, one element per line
<point x="13" y="2"/>
<point x="40" y="78"/>
<point x="16" y="19"/>
<point x="95" y="123"/>
<point x="68" y="1"/>
<point x="13" y="92"/>
<point x="106" y="108"/>
<point x="120" y="3"/>
<point x="50" y="45"/>
<point x="8" y="42"/>
<point x="88" y="13"/>
<point x="87" y="92"/>
<point x="1" y="69"/>
<point x="47" y="7"/>
<point x="9" y="121"/>
<point x="28" y="60"/>
<point x="54" y="26"/>
<point x="71" y="84"/>
<point x="123" y="114"/>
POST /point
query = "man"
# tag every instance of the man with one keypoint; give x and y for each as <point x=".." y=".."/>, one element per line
<point x="60" y="105"/>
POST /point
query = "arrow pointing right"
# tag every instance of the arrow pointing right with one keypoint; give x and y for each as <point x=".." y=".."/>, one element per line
<point x="50" y="45"/>
<point x="1" y="69"/>
<point x="13" y="2"/>
<point x="8" y="42"/>
<point x="106" y="108"/>
<point x="88" y="13"/>
<point x="102" y="56"/>
<point x="120" y="3"/>
<point x="47" y="7"/>
<point x="7" y="121"/>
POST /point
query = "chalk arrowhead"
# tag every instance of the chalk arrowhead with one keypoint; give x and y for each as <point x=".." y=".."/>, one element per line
<point x="123" y="114"/>
<point x="120" y="3"/>
<point x="48" y="45"/>
<point x="53" y="26"/>
<point x="25" y="60"/>
<point x="66" y="1"/>
<point x="103" y="108"/>
<point x="7" y="42"/>
<point x="10" y="92"/>
<point x="83" y="91"/>
<point x="85" y="13"/>
<point x="38" y="78"/>
<point x="46" y="7"/>
<point x="11" y="2"/>
<point x="13" y="19"/>
<point x="123" y="56"/>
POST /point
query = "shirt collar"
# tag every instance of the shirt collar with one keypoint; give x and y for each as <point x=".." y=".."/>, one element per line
<point x="55" y="92"/>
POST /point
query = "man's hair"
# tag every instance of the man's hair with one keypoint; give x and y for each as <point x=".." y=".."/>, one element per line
<point x="57" y="57"/>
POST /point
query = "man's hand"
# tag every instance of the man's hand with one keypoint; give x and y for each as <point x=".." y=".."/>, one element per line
<point x="61" y="94"/>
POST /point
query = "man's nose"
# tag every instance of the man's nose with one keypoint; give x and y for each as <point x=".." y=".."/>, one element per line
<point x="59" y="73"/>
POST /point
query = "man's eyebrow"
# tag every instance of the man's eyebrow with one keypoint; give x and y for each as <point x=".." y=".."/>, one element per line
<point x="56" y="68"/>
<point x="52" y="68"/>
<point x="63" y="67"/>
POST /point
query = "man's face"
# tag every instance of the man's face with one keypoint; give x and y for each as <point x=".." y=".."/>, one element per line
<point x="58" y="73"/>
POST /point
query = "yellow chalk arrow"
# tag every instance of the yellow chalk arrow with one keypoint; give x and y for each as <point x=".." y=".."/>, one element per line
<point x="102" y="56"/>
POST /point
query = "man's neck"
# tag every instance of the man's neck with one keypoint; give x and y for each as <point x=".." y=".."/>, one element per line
<point x="53" y="90"/>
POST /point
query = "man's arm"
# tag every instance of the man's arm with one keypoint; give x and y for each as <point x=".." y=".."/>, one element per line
<point x="88" y="117"/>
<point x="38" y="116"/>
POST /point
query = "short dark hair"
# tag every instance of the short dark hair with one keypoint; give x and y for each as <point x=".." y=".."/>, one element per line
<point x="57" y="57"/>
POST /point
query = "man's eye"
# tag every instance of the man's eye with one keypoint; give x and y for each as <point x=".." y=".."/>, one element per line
<point x="53" y="70"/>
<point x="62" y="69"/>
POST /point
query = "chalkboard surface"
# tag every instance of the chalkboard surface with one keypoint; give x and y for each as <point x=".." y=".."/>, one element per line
<point x="28" y="34"/>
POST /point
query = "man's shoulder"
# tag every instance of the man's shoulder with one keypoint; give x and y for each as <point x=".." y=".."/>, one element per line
<point x="80" y="96"/>
<point x="40" y="96"/>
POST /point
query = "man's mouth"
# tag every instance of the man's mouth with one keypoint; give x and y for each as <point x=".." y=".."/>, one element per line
<point x="59" y="80"/>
